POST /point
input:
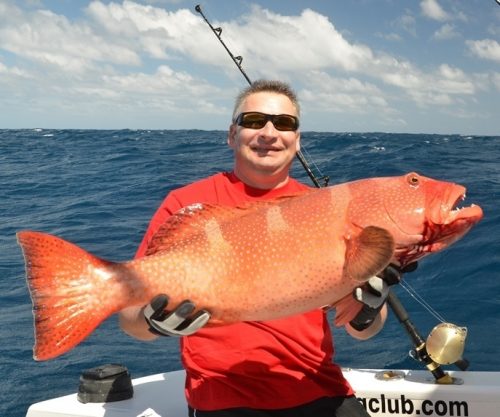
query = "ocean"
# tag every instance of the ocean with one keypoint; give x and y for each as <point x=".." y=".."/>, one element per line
<point x="99" y="188"/>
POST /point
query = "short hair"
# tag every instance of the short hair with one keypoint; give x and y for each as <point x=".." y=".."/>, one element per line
<point x="267" y="86"/>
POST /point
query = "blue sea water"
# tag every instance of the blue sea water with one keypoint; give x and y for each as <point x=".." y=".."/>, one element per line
<point x="99" y="189"/>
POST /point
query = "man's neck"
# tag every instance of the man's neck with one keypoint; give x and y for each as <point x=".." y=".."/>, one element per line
<point x="263" y="182"/>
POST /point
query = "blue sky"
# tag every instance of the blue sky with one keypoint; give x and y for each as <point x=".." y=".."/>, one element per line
<point x="418" y="66"/>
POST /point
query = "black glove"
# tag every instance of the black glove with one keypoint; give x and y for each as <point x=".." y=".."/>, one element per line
<point x="373" y="294"/>
<point x="178" y="322"/>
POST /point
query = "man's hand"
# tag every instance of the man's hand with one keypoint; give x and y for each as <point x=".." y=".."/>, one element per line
<point x="178" y="322"/>
<point x="373" y="294"/>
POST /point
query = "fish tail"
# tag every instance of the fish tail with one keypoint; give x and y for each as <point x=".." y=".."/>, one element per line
<point x="67" y="286"/>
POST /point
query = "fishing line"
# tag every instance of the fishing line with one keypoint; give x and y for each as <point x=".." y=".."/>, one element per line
<point x="324" y="178"/>
<point x="419" y="299"/>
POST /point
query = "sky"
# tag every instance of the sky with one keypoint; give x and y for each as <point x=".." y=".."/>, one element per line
<point x="401" y="66"/>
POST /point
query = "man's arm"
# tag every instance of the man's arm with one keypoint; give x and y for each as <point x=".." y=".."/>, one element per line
<point x="373" y="295"/>
<point x="131" y="319"/>
<point x="152" y="320"/>
<point x="133" y="322"/>
<point x="374" y="327"/>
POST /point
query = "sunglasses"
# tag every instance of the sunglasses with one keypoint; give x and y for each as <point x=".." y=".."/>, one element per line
<point x="257" y="120"/>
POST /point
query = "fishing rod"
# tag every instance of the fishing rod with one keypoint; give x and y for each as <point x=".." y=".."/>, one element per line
<point x="237" y="60"/>
<point x="218" y="31"/>
<point x="421" y="353"/>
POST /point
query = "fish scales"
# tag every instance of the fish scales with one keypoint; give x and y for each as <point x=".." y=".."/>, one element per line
<point x="262" y="261"/>
<point x="273" y="256"/>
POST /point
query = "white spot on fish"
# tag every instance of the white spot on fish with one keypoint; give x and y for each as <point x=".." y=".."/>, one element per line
<point x="275" y="220"/>
<point x="103" y="274"/>
<point x="214" y="236"/>
<point x="191" y="209"/>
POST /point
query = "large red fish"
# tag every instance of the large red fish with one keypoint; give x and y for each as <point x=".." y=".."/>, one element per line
<point x="259" y="262"/>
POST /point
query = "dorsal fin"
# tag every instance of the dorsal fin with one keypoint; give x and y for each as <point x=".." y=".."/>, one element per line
<point x="368" y="253"/>
<point x="193" y="219"/>
<point x="187" y="222"/>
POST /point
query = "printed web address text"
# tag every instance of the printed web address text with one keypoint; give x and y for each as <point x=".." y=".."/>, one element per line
<point x="406" y="406"/>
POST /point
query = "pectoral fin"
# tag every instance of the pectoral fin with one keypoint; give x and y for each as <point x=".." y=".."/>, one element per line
<point x="368" y="253"/>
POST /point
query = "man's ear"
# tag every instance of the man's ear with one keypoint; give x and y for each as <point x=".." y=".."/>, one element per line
<point x="231" y="136"/>
<point x="297" y="144"/>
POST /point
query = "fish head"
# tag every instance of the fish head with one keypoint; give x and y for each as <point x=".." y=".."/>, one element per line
<point x="421" y="213"/>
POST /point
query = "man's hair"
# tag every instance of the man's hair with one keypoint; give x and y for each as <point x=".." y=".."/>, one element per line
<point x="267" y="86"/>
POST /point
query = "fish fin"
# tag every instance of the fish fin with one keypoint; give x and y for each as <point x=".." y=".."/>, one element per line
<point x="187" y="222"/>
<point x="193" y="219"/>
<point x="62" y="282"/>
<point x="368" y="253"/>
<point x="346" y="309"/>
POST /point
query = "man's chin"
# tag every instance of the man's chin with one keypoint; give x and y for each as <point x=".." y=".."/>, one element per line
<point x="269" y="167"/>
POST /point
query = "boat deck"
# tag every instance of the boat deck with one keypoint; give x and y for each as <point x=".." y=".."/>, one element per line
<point x="384" y="393"/>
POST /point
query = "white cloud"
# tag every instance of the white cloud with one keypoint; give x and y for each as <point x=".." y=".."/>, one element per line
<point x="163" y="2"/>
<point x="178" y="84"/>
<point x="307" y="41"/>
<point x="407" y="23"/>
<point x="432" y="10"/>
<point x="496" y="80"/>
<point x="445" y="86"/>
<point x="485" y="49"/>
<point x="389" y="36"/>
<point x="154" y="31"/>
<point x="51" y="39"/>
<point x="453" y="81"/>
<point x="494" y="30"/>
<point x="158" y="33"/>
<point x="126" y="33"/>
<point x="311" y="44"/>
<point x="134" y="56"/>
<point x="13" y="71"/>
<point x="343" y="95"/>
<point x="446" y="32"/>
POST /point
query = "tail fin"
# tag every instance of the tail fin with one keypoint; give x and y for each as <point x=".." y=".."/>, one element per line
<point x="66" y="285"/>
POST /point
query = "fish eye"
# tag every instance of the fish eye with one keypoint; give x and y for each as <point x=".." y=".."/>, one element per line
<point x="413" y="179"/>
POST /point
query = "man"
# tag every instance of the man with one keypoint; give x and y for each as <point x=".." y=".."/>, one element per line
<point x="279" y="368"/>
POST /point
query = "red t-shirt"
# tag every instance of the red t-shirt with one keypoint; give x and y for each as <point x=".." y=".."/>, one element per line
<point x="269" y="365"/>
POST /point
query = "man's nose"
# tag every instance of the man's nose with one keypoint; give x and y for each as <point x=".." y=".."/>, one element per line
<point x="269" y="131"/>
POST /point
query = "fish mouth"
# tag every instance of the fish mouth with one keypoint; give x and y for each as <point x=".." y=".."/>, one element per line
<point x="447" y="220"/>
<point x="450" y="220"/>
<point x="458" y="212"/>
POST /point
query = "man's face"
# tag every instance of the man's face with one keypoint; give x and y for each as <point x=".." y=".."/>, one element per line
<point x="266" y="151"/>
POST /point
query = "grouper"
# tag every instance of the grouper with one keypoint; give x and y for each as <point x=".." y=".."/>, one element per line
<point x="260" y="261"/>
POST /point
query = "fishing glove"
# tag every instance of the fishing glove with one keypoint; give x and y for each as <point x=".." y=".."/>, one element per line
<point x="178" y="322"/>
<point x="374" y="292"/>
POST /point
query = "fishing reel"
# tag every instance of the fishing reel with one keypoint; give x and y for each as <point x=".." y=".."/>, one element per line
<point x="445" y="345"/>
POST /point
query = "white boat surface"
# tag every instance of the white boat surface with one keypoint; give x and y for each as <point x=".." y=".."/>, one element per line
<point x="385" y="393"/>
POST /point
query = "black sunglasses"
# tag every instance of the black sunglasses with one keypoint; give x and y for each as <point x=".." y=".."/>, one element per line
<point x="257" y="120"/>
